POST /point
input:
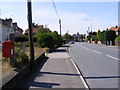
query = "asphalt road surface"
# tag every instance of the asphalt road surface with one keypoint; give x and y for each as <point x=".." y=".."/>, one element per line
<point x="98" y="64"/>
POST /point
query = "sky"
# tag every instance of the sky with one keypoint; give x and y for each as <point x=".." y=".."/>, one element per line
<point x="75" y="16"/>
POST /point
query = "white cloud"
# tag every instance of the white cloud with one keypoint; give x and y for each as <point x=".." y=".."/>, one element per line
<point x="71" y="21"/>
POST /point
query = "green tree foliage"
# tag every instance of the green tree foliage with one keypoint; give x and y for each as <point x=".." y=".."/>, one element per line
<point x="88" y="37"/>
<point x="102" y="36"/>
<point x="57" y="39"/>
<point x="45" y="40"/>
<point x="98" y="34"/>
<point x="110" y="35"/>
<point x="117" y="38"/>
<point x="67" y="37"/>
<point x="23" y="38"/>
<point x="48" y="39"/>
<point x="43" y="30"/>
<point x="94" y="38"/>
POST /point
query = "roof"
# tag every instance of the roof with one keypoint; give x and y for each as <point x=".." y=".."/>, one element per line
<point x="7" y="21"/>
<point x="114" y="28"/>
<point x="34" y="30"/>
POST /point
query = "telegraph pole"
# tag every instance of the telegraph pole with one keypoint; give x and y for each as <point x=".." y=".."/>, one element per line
<point x="29" y="6"/>
<point x="60" y="26"/>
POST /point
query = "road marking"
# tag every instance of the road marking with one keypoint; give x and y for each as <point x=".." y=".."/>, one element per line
<point x="112" y="57"/>
<point x="87" y="48"/>
<point x="96" y="52"/>
<point x="81" y="77"/>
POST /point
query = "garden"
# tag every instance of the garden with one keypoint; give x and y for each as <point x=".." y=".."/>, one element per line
<point x="44" y="41"/>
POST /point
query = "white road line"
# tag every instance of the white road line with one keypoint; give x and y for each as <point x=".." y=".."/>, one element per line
<point x="112" y="57"/>
<point x="96" y="52"/>
<point x="86" y="86"/>
<point x="87" y="48"/>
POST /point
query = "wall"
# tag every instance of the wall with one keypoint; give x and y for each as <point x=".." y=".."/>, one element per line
<point x="15" y="77"/>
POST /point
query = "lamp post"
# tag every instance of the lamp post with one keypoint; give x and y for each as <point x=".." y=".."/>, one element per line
<point x="90" y="27"/>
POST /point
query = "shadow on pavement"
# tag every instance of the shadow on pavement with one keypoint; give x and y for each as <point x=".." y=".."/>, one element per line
<point x="102" y="77"/>
<point x="27" y="82"/>
<point x="41" y="73"/>
<point x="65" y="46"/>
<point x="43" y="85"/>
<point x="60" y="50"/>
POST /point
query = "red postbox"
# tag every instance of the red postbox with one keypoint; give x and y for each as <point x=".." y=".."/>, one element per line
<point x="8" y="49"/>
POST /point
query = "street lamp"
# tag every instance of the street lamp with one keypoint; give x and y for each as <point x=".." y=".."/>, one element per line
<point x="90" y="27"/>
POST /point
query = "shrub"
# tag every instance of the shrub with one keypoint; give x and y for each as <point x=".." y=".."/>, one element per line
<point x="45" y="40"/>
<point x="21" y="59"/>
<point x="24" y="58"/>
<point x="94" y="38"/>
<point x="5" y="59"/>
<point x="23" y="38"/>
<point x="117" y="38"/>
<point x="18" y="44"/>
<point x="27" y="44"/>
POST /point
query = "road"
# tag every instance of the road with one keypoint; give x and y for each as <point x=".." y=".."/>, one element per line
<point x="98" y="64"/>
<point x="0" y="66"/>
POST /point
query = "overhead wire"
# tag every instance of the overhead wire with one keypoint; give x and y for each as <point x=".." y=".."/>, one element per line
<point x="57" y="15"/>
<point x="55" y="9"/>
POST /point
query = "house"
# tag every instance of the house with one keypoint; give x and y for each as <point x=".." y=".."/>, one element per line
<point x="17" y="31"/>
<point x="36" y="27"/>
<point x="6" y="29"/>
<point x="34" y="30"/>
<point x="116" y="29"/>
<point x="78" y="37"/>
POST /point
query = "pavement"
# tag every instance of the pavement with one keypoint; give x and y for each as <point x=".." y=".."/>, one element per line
<point x="58" y="71"/>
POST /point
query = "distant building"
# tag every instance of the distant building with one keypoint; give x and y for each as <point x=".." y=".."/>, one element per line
<point x="6" y="29"/>
<point x="34" y="30"/>
<point x="78" y="37"/>
<point x="17" y="31"/>
<point x="116" y="29"/>
<point x="36" y="27"/>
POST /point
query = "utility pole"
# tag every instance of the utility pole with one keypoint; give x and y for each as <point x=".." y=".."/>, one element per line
<point x="60" y="26"/>
<point x="68" y="37"/>
<point x="29" y="6"/>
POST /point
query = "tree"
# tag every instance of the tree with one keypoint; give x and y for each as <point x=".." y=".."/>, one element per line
<point x="117" y="38"/>
<point x="98" y="34"/>
<point x="45" y="40"/>
<point x="94" y="38"/>
<point x="57" y="38"/>
<point x="23" y="38"/>
<point x="110" y="35"/>
<point x="43" y="30"/>
<point x="67" y="37"/>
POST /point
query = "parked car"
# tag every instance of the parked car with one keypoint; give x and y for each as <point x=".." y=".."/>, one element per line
<point x="72" y="42"/>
